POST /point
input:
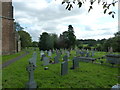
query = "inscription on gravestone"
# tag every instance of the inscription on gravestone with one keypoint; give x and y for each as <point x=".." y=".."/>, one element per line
<point x="64" y="68"/>
<point x="31" y="83"/>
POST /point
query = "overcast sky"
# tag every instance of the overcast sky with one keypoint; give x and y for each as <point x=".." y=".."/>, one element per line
<point x="38" y="16"/>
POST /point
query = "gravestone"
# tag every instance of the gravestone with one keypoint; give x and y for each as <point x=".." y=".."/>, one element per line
<point x="68" y="53"/>
<point x="113" y="58"/>
<point x="82" y="53"/>
<point x="65" y="58"/>
<point x="45" y="61"/>
<point x="49" y="53"/>
<point x="42" y="57"/>
<point x="33" y="59"/>
<point x="41" y="53"/>
<point x="58" y="54"/>
<point x="87" y="54"/>
<point x="77" y="53"/>
<point x="31" y="83"/>
<point x="64" y="68"/>
<point x="75" y="62"/>
<point x="56" y="60"/>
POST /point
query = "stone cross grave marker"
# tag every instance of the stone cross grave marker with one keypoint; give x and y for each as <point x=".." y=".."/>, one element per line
<point x="56" y="60"/>
<point x="65" y="58"/>
<point x="75" y="62"/>
<point x="31" y="83"/>
<point x="45" y="61"/>
<point x="64" y="68"/>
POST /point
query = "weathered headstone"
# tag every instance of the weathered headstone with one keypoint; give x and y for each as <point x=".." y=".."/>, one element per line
<point x="113" y="58"/>
<point x="31" y="83"/>
<point x="56" y="59"/>
<point x="75" y="62"/>
<point x="68" y="53"/>
<point x="77" y="53"/>
<point x="64" y="68"/>
<point x="33" y="59"/>
<point x="58" y="54"/>
<point x="45" y="61"/>
<point x="49" y="53"/>
<point x="65" y="58"/>
<point x="42" y="57"/>
<point x="41" y="53"/>
<point x="87" y="54"/>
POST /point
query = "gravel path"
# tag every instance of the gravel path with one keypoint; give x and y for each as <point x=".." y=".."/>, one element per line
<point x="13" y="60"/>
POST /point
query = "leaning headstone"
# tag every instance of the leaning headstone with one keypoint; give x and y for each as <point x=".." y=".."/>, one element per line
<point x="31" y="83"/>
<point x="75" y="62"/>
<point x="64" y="68"/>
<point x="45" y="61"/>
<point x="65" y="58"/>
<point x="56" y="59"/>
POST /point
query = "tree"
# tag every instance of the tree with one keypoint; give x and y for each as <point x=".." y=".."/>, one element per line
<point x="34" y="44"/>
<point x="105" y="4"/>
<point x="25" y="39"/>
<point x="71" y="36"/>
<point x="67" y="38"/>
<point x="47" y="41"/>
<point x="17" y="26"/>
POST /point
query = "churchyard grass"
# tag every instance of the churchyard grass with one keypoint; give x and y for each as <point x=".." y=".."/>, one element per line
<point x="88" y="75"/>
<point x="6" y="58"/>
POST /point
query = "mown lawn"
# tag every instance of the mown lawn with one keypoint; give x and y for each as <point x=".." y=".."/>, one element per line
<point x="88" y="75"/>
<point x="6" y="58"/>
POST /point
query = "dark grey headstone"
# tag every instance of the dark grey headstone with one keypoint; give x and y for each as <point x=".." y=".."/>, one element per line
<point x="75" y="62"/>
<point x="42" y="57"/>
<point x="64" y="68"/>
<point x="56" y="59"/>
<point x="65" y="58"/>
<point x="45" y="61"/>
<point x="87" y="54"/>
<point x="31" y="83"/>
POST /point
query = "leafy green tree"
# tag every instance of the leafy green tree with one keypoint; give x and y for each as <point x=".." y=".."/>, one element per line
<point x="25" y="38"/>
<point x="34" y="44"/>
<point x="71" y="36"/>
<point x="17" y="26"/>
<point x="47" y="41"/>
<point x="67" y="38"/>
